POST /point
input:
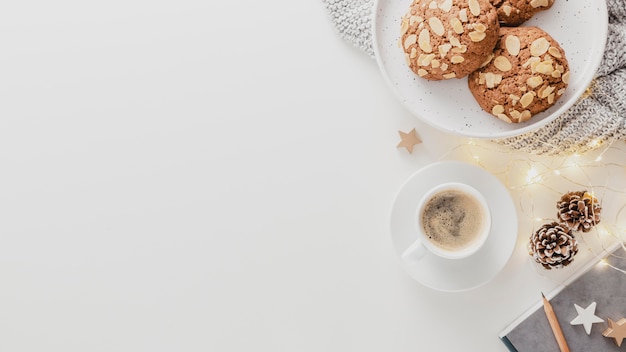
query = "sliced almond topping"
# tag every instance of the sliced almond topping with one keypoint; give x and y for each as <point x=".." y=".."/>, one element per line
<point x="531" y="61"/>
<point x="534" y="81"/>
<point x="457" y="59"/>
<point x="413" y="53"/>
<point x="463" y="15"/>
<point x="502" y="63"/>
<point x="556" y="74"/>
<point x="534" y="65"/>
<point x="449" y="75"/>
<point x="435" y="63"/>
<point x="539" y="46"/>
<point x="525" y="116"/>
<point x="512" y="45"/>
<point x="410" y="40"/>
<point x="424" y="41"/>
<point x="476" y="36"/>
<point x="504" y="118"/>
<point x="444" y="67"/>
<point x="457" y="26"/>
<point x="444" y="48"/>
<point x="490" y="80"/>
<point x="539" y="3"/>
<point x="415" y="19"/>
<point x="560" y="91"/>
<point x="487" y="60"/>
<point x="527" y="99"/>
<point x="404" y="27"/>
<point x="546" y="92"/>
<point x="554" y="52"/>
<point x="474" y="7"/>
<point x="427" y="59"/>
<point x="565" y="77"/>
<point x="455" y="41"/>
<point x="560" y="68"/>
<point x="460" y="50"/>
<point x="515" y="114"/>
<point x="540" y="91"/>
<point x="420" y="59"/>
<point x="480" y="27"/>
<point x="436" y="26"/>
<point x="498" y="109"/>
<point x="446" y="5"/>
<point x="408" y="60"/>
<point x="548" y="58"/>
<point x="551" y="98"/>
<point x="507" y="10"/>
<point x="514" y="99"/>
<point x="481" y="78"/>
<point x="432" y="5"/>
<point x="545" y="68"/>
<point x="498" y="79"/>
<point x="421" y="72"/>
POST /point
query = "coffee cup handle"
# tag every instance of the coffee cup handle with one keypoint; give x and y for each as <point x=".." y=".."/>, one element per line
<point x="415" y="252"/>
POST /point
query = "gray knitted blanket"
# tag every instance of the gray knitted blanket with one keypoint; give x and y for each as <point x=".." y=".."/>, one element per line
<point x="599" y="117"/>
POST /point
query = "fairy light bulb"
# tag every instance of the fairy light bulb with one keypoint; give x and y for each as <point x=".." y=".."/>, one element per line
<point x="532" y="176"/>
<point x="602" y="231"/>
<point x="565" y="172"/>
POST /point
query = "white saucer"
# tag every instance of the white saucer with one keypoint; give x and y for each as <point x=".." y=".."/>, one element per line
<point x="454" y="275"/>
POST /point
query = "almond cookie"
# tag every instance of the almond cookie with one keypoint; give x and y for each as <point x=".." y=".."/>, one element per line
<point x="515" y="12"/>
<point x="445" y="39"/>
<point x="526" y="75"/>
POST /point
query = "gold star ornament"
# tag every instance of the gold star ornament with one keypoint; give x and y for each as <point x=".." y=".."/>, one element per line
<point x="409" y="140"/>
<point x="616" y="330"/>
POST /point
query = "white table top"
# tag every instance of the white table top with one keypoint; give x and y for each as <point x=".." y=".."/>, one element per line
<point x="214" y="176"/>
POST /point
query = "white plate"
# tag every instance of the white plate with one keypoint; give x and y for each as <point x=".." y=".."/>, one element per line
<point x="579" y="26"/>
<point x="455" y="275"/>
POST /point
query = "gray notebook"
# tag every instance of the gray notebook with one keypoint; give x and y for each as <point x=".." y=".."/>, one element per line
<point x="601" y="284"/>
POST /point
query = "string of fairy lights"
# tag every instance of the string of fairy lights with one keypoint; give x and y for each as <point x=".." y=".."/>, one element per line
<point x="532" y="178"/>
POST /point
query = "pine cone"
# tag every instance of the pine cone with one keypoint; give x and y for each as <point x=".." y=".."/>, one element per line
<point x="580" y="211"/>
<point x="553" y="246"/>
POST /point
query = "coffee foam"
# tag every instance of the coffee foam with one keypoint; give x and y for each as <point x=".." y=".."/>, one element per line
<point x="452" y="219"/>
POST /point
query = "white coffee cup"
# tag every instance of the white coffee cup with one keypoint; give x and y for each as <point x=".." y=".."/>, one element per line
<point x="453" y="222"/>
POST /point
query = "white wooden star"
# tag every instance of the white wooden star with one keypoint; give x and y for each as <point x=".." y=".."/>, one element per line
<point x="586" y="317"/>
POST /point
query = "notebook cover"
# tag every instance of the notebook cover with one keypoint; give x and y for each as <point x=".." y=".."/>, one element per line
<point x="601" y="284"/>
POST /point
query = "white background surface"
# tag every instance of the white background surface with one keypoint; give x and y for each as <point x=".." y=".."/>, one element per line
<point x="212" y="176"/>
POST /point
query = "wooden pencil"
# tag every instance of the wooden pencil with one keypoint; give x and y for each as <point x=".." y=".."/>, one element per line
<point x="554" y="324"/>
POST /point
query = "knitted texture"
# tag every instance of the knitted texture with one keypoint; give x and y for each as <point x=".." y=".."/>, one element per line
<point x="353" y="20"/>
<point x="597" y="118"/>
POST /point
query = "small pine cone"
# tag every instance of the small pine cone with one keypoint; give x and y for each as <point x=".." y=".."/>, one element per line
<point x="580" y="211"/>
<point x="553" y="246"/>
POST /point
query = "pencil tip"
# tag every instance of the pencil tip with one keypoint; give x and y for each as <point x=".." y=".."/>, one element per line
<point x="542" y="295"/>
